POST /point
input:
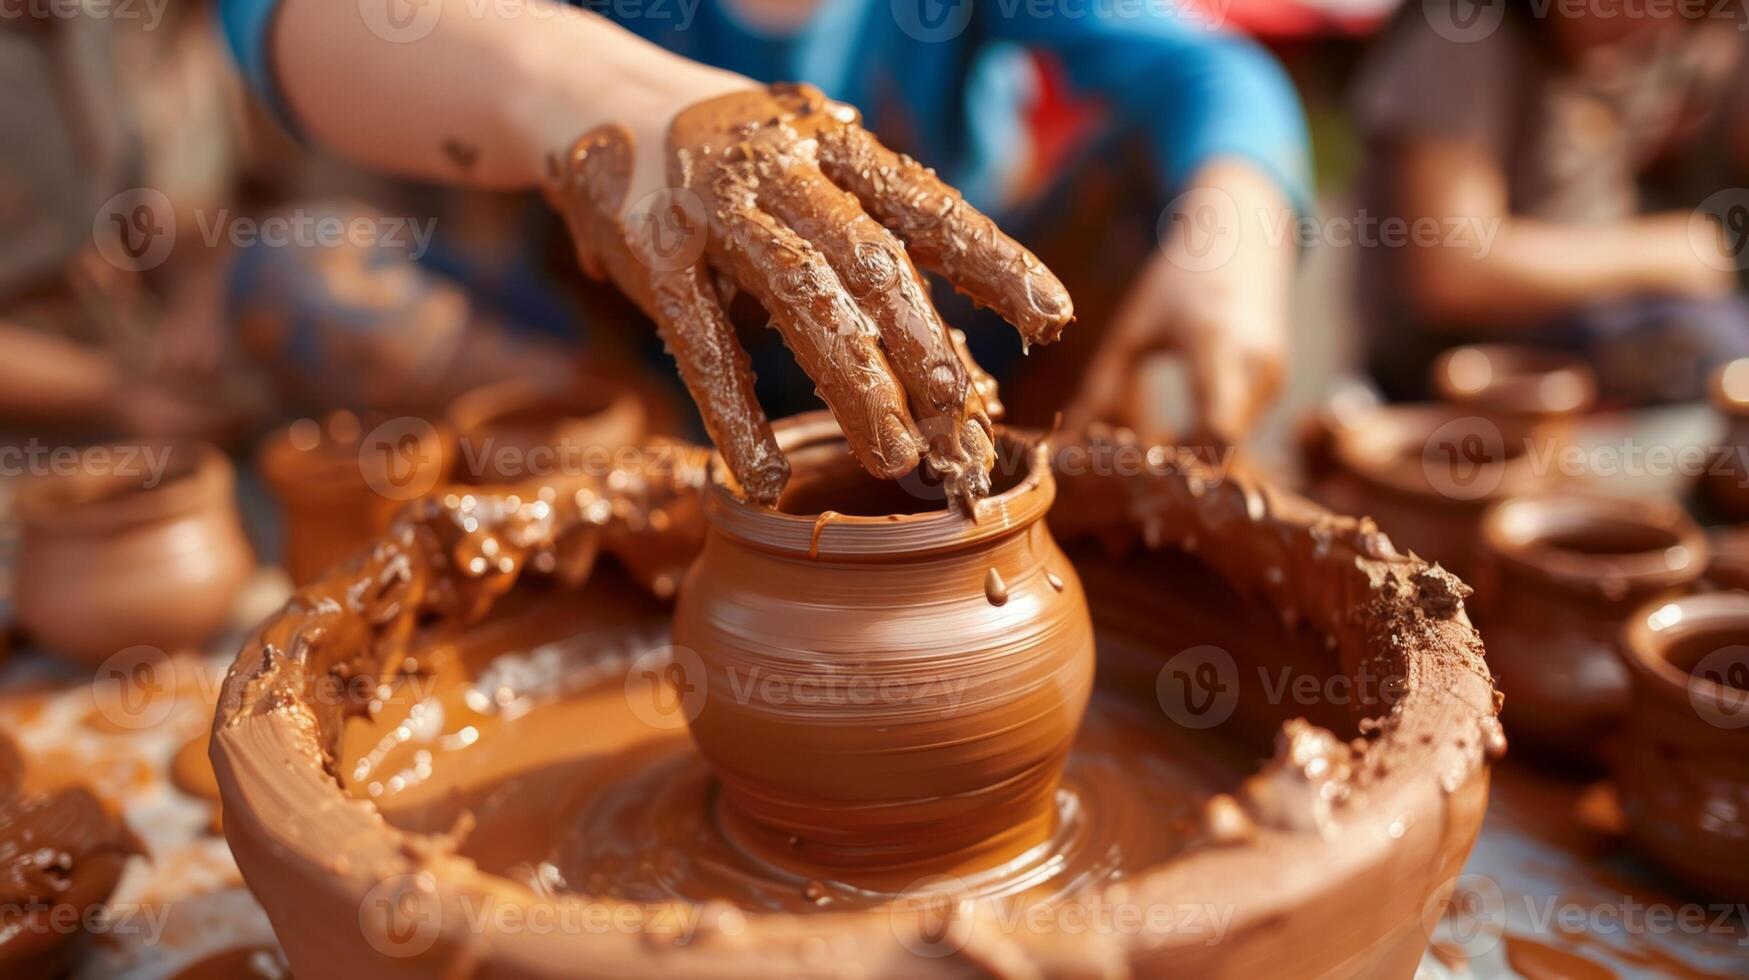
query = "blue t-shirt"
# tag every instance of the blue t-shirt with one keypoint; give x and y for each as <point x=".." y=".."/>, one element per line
<point x="926" y="75"/>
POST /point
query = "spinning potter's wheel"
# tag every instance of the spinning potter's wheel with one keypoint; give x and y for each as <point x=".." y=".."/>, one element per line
<point x="522" y="797"/>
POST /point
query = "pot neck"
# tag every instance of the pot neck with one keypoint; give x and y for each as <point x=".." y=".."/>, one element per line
<point x="1022" y="470"/>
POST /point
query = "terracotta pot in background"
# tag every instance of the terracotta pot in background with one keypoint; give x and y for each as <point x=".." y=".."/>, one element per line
<point x="1725" y="484"/>
<point x="973" y="641"/>
<point x="1683" y="767"/>
<point x="1425" y="473"/>
<point x="115" y="556"/>
<point x="340" y="482"/>
<point x="1515" y="382"/>
<point x="1555" y="579"/>
<point x="515" y="430"/>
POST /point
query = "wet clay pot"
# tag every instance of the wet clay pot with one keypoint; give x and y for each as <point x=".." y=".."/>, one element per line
<point x="890" y="682"/>
<point x="1515" y="382"/>
<point x="115" y="556"/>
<point x="339" y="482"/>
<point x="514" y="431"/>
<point x="1331" y="857"/>
<point x="1556" y="579"/>
<point x="1425" y="473"/>
<point x="1724" y="486"/>
<point x="1683" y="767"/>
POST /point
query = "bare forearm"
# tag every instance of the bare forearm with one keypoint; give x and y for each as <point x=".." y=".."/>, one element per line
<point x="1521" y="270"/>
<point x="48" y="380"/>
<point x="469" y="94"/>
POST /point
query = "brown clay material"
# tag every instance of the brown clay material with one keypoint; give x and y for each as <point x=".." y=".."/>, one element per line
<point x="1725" y="484"/>
<point x="1683" y="769"/>
<point x="1425" y="473"/>
<point x="516" y="431"/>
<point x="979" y="669"/>
<point x="1325" y="857"/>
<point x="339" y="482"/>
<point x="797" y="204"/>
<point x="1556" y="579"/>
<point x="62" y="851"/>
<point x="1515" y="382"/>
<point x="116" y="557"/>
<point x="1728" y="558"/>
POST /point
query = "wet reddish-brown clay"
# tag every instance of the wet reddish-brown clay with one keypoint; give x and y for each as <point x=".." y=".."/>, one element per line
<point x="336" y="492"/>
<point x="1514" y="382"/>
<point x="61" y="853"/>
<point x="119" y="556"/>
<point x="1556" y="579"/>
<point x="912" y="682"/>
<point x="516" y="431"/>
<point x="1725" y="483"/>
<point x="1728" y="558"/>
<point x="786" y="195"/>
<point x="1683" y="767"/>
<point x="1320" y="861"/>
<point x="1425" y="473"/>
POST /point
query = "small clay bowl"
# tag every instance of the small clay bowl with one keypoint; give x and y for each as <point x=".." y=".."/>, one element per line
<point x="1555" y="579"/>
<point x="1425" y="472"/>
<point x="115" y="555"/>
<point x="516" y="431"/>
<point x="1725" y="484"/>
<point x="339" y="482"/>
<point x="1517" y="381"/>
<point x="1683" y="767"/>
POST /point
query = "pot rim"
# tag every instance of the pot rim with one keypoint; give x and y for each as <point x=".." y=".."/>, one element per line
<point x="1370" y="448"/>
<point x="53" y="503"/>
<point x="597" y="397"/>
<point x="1521" y="378"/>
<point x="1515" y="532"/>
<point x="852" y="537"/>
<point x="294" y="473"/>
<point x="1648" y="635"/>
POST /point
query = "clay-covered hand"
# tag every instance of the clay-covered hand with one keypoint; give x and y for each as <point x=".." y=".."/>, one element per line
<point x="780" y="192"/>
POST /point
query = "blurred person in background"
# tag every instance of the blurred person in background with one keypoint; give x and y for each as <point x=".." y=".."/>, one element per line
<point x="1147" y="112"/>
<point x="1552" y="165"/>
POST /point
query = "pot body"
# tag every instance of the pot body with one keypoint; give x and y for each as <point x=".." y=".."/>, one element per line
<point x="1682" y="769"/>
<point x="162" y="576"/>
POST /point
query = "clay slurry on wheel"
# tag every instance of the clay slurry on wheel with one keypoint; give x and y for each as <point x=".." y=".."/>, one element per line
<point x="784" y="192"/>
